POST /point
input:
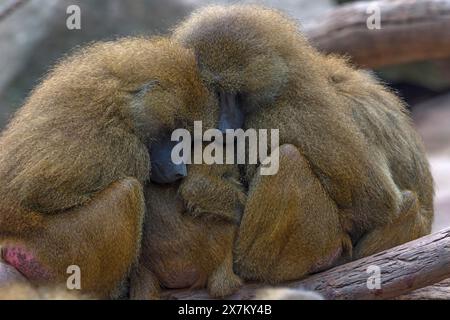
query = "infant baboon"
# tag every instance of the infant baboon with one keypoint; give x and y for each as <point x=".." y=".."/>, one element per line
<point x="181" y="250"/>
<point x="353" y="173"/>
<point x="75" y="157"/>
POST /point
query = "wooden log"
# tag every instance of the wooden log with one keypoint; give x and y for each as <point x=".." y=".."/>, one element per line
<point x="413" y="265"/>
<point x="9" y="6"/>
<point x="410" y="31"/>
<point x="438" y="291"/>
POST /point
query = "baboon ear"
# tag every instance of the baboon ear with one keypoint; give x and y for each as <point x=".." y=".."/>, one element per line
<point x="144" y="89"/>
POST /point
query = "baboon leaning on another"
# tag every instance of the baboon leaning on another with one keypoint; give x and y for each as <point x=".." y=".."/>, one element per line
<point x="353" y="177"/>
<point x="75" y="157"/>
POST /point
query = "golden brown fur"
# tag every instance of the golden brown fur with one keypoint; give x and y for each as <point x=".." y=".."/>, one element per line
<point x="74" y="157"/>
<point x="352" y="166"/>
<point x="182" y="250"/>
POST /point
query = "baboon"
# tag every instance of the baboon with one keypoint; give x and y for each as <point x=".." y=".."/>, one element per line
<point x="75" y="158"/>
<point x="353" y="177"/>
<point x="181" y="249"/>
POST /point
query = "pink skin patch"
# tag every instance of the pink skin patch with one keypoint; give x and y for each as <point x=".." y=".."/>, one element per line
<point x="25" y="262"/>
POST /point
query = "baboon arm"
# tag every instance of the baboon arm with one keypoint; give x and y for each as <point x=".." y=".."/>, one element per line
<point x="101" y="238"/>
<point x="206" y="192"/>
<point x="144" y="285"/>
<point x="62" y="172"/>
<point x="223" y="281"/>
<point x="290" y="226"/>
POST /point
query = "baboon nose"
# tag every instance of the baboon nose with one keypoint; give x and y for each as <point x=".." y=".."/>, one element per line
<point x="182" y="172"/>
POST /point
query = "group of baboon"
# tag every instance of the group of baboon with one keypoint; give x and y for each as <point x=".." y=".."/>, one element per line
<point x="76" y="163"/>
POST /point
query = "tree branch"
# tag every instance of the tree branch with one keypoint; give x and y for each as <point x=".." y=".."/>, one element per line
<point x="413" y="265"/>
<point x="438" y="291"/>
<point x="8" y="7"/>
<point x="410" y="31"/>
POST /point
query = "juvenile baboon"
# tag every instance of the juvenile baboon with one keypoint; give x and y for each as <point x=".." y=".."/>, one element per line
<point x="180" y="249"/>
<point x="353" y="173"/>
<point x="75" y="157"/>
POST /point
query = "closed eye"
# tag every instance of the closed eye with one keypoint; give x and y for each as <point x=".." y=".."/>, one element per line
<point x="145" y="88"/>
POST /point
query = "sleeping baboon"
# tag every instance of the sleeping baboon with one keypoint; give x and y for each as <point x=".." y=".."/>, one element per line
<point x="75" y="157"/>
<point x="181" y="250"/>
<point x="353" y="174"/>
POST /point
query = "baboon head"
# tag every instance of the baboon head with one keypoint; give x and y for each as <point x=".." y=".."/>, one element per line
<point x="242" y="52"/>
<point x="163" y="86"/>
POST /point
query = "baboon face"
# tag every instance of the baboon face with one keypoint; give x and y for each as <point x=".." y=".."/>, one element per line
<point x="167" y="92"/>
<point x="236" y="66"/>
<point x="243" y="78"/>
<point x="238" y="59"/>
<point x="165" y="106"/>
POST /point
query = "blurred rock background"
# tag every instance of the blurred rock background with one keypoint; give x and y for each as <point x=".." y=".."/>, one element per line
<point x="34" y="36"/>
